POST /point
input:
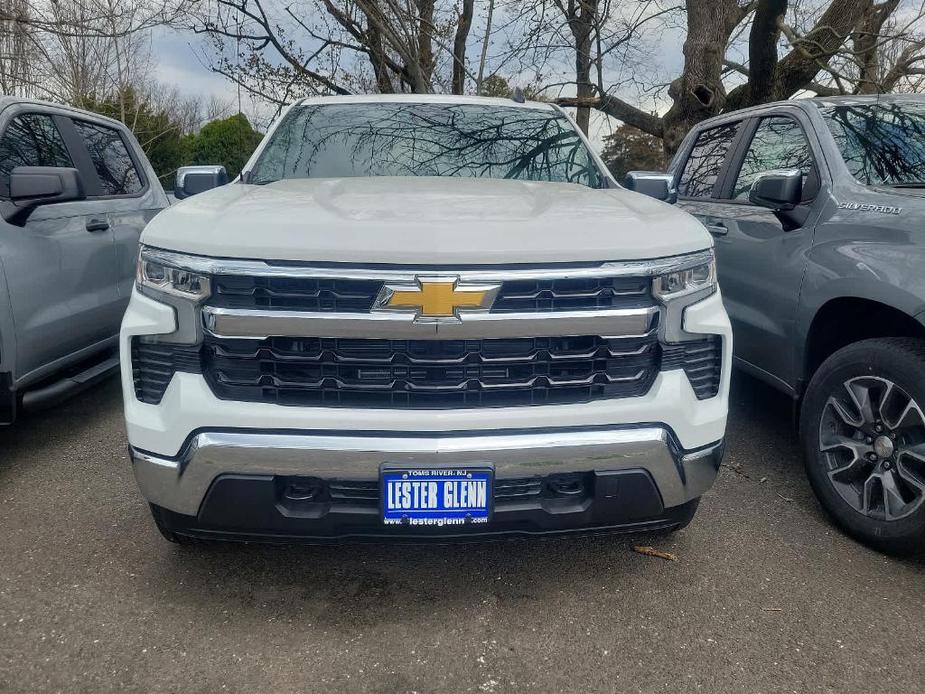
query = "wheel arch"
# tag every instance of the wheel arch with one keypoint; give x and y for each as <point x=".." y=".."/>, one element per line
<point x="844" y="320"/>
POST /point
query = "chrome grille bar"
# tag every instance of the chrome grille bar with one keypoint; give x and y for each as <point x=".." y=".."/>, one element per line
<point x="259" y="325"/>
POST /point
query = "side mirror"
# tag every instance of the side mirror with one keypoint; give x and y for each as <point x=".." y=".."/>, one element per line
<point x="32" y="186"/>
<point x="652" y="183"/>
<point x="198" y="179"/>
<point x="778" y="191"/>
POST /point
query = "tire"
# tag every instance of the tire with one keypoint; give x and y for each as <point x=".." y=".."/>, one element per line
<point x="862" y="429"/>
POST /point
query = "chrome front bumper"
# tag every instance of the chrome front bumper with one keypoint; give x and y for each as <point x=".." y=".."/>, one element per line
<point x="180" y="484"/>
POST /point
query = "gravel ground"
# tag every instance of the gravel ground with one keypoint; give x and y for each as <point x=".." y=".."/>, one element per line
<point x="765" y="595"/>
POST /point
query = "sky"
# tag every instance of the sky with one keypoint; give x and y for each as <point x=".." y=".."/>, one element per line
<point x="179" y="62"/>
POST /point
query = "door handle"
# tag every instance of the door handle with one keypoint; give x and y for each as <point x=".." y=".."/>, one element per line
<point x="97" y="225"/>
<point x="717" y="229"/>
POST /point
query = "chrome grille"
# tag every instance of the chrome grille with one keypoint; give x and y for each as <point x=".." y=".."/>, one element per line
<point x="430" y="374"/>
<point x="358" y="295"/>
<point x="554" y="335"/>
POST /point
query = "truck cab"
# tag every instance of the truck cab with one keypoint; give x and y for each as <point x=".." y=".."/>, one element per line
<point x="75" y="192"/>
<point x="816" y="209"/>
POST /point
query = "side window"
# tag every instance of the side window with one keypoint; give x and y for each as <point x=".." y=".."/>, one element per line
<point x="706" y="160"/>
<point x="30" y="139"/>
<point x="110" y="157"/>
<point x="779" y="143"/>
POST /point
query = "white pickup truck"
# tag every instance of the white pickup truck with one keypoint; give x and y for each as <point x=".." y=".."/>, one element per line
<point x="423" y="317"/>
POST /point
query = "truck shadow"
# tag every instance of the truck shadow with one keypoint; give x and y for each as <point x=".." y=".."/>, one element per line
<point x="762" y="504"/>
<point x="40" y="436"/>
<point x="741" y="522"/>
<point x="362" y="585"/>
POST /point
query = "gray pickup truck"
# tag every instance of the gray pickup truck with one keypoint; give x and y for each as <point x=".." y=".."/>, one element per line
<point x="817" y="208"/>
<point x="75" y="192"/>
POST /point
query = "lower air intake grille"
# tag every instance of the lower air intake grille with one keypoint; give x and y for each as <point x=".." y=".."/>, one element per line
<point x="430" y="374"/>
<point x="154" y="364"/>
<point x="701" y="360"/>
<point x="426" y="374"/>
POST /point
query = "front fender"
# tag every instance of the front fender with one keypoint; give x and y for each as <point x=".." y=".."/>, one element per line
<point x="882" y="265"/>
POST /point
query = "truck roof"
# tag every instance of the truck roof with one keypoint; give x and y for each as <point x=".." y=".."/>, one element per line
<point x="852" y="99"/>
<point x="423" y="99"/>
<point x="816" y="102"/>
<point x="7" y="100"/>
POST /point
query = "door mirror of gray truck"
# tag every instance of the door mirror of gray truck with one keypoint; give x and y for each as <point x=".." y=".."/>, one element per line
<point x="779" y="191"/>
<point x="652" y="183"/>
<point x="198" y="179"/>
<point x="32" y="186"/>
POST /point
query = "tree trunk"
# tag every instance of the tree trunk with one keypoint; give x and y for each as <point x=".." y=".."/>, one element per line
<point x="425" y="52"/>
<point x="484" y="54"/>
<point x="463" y="24"/>
<point x="377" y="59"/>
<point x="699" y="92"/>
<point x="585" y="89"/>
<point x="762" y="50"/>
<point x="866" y="46"/>
<point x="581" y="20"/>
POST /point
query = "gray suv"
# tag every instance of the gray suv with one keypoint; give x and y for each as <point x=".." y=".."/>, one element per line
<point x="817" y="207"/>
<point x="75" y="192"/>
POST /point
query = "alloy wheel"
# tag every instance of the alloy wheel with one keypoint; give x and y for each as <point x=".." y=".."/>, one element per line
<point x="872" y="439"/>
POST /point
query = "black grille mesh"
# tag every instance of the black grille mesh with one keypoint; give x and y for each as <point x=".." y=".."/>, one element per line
<point x="701" y="361"/>
<point x="430" y="374"/>
<point x="427" y="373"/>
<point x="540" y="296"/>
<point x="301" y="294"/>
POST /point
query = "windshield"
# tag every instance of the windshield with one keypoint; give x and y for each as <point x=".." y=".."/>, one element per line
<point x="426" y="139"/>
<point x="883" y="143"/>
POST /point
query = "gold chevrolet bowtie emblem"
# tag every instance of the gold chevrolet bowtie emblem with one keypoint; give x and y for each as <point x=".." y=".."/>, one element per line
<point x="436" y="298"/>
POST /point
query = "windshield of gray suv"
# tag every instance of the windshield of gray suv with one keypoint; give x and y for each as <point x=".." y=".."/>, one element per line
<point x="882" y="143"/>
<point x="426" y="139"/>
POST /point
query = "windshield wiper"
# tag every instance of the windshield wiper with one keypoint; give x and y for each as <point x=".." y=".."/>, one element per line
<point x="913" y="184"/>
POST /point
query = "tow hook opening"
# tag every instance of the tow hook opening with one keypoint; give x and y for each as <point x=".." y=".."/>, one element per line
<point x="569" y="486"/>
<point x="303" y="489"/>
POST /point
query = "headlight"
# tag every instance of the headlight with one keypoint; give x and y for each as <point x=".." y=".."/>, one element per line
<point x="154" y="275"/>
<point x="697" y="279"/>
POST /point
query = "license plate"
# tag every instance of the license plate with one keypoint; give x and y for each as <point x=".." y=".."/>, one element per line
<point x="436" y="497"/>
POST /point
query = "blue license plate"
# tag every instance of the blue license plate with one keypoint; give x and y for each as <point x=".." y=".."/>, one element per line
<point x="437" y="497"/>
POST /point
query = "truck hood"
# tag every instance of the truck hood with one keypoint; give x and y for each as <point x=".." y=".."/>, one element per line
<point x="419" y="220"/>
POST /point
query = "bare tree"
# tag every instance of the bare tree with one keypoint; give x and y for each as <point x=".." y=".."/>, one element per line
<point x="77" y="51"/>
<point x="841" y="46"/>
<point x="575" y="43"/>
<point x="328" y="45"/>
<point x="17" y="54"/>
<point x="95" y="17"/>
